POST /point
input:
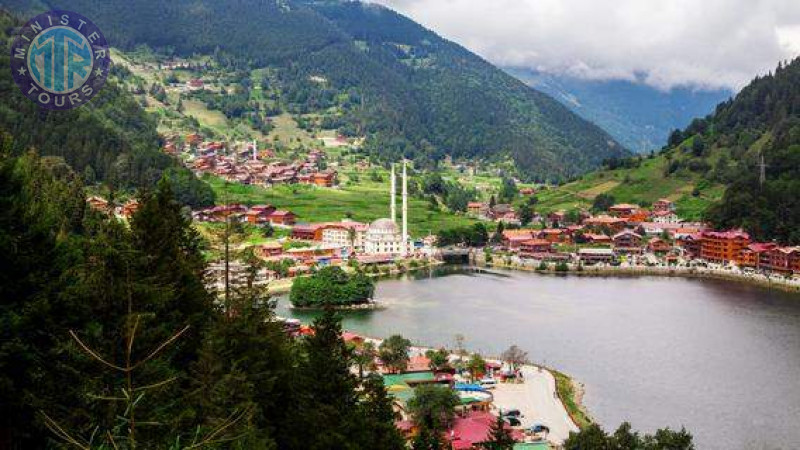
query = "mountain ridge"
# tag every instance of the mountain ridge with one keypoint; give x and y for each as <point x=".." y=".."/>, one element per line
<point x="639" y="116"/>
<point x="412" y="93"/>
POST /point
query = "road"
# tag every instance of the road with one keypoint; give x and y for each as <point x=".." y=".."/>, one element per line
<point x="537" y="401"/>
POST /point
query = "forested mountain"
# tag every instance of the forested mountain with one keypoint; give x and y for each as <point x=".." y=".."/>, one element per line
<point x="408" y="90"/>
<point x="110" y="140"/>
<point x="713" y="167"/>
<point x="639" y="116"/>
<point x="762" y="121"/>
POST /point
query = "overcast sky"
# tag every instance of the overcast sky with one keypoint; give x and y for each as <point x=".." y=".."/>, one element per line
<point x="666" y="43"/>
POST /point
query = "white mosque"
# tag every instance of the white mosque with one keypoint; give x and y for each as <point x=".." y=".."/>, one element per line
<point x="382" y="236"/>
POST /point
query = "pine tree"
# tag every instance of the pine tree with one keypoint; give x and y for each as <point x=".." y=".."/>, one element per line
<point x="499" y="437"/>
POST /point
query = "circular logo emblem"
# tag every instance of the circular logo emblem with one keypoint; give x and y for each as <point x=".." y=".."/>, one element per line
<point x="60" y="60"/>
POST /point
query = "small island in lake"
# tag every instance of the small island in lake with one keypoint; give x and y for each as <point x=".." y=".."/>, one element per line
<point x="332" y="286"/>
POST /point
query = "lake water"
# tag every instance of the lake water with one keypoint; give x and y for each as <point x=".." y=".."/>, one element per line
<point x="720" y="358"/>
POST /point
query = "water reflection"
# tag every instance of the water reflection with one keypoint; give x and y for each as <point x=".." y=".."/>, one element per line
<point x="720" y="358"/>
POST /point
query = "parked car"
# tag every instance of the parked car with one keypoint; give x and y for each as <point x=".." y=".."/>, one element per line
<point x="488" y="383"/>
<point x="512" y="421"/>
<point x="539" y="428"/>
<point x="510" y="413"/>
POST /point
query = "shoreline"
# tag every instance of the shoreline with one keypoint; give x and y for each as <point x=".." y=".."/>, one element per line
<point x="777" y="282"/>
<point x="569" y="391"/>
<point x="284" y="285"/>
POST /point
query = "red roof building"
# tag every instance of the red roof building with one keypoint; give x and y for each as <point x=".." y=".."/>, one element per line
<point x="723" y="246"/>
<point x="664" y="205"/>
<point x="534" y="247"/>
<point x="623" y="209"/>
<point x="512" y="239"/>
<point x="469" y="431"/>
<point x="282" y="218"/>
<point x="309" y="232"/>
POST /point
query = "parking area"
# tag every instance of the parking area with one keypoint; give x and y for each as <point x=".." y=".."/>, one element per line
<point x="535" y="398"/>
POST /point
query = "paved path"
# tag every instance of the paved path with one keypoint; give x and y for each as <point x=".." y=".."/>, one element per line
<point x="538" y="403"/>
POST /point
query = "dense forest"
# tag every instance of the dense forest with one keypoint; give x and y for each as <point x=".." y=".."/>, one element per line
<point x="109" y="339"/>
<point x="408" y="91"/>
<point x="762" y="121"/>
<point x="111" y="140"/>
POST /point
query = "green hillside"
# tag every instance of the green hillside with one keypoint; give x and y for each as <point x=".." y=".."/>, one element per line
<point x="368" y="71"/>
<point x="712" y="169"/>
<point x="110" y="140"/>
<point x="641" y="185"/>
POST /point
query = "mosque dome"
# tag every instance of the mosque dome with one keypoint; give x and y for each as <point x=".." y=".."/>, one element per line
<point x="384" y="226"/>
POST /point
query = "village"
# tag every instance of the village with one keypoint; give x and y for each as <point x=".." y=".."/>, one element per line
<point x="633" y="235"/>
<point x="244" y="163"/>
<point x="524" y="397"/>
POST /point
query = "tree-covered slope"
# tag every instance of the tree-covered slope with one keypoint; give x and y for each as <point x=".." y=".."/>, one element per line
<point x="410" y="92"/>
<point x="713" y="167"/>
<point x="110" y="140"/>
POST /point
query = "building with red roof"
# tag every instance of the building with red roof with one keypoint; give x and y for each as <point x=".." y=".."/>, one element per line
<point x="469" y="431"/>
<point x="723" y="246"/>
<point x="282" y="218"/>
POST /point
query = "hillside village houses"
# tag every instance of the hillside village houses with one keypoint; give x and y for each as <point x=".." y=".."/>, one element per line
<point x="325" y="243"/>
<point x="244" y="163"/>
<point x="628" y="231"/>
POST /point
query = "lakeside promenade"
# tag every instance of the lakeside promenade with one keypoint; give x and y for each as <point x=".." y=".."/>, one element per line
<point x="770" y="281"/>
<point x="537" y="397"/>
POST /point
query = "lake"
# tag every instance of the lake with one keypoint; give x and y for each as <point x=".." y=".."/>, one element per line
<point x="720" y="358"/>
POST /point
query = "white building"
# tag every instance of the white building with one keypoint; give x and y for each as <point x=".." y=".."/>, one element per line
<point x="383" y="237"/>
<point x="666" y="217"/>
<point x="347" y="234"/>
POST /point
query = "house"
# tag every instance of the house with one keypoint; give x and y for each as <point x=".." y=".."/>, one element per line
<point x="259" y="214"/>
<point x="352" y="338"/>
<point x="282" y="218"/>
<point x="691" y="244"/>
<point x="346" y="234"/>
<point x="195" y="84"/>
<point x="527" y="191"/>
<point x="613" y="224"/>
<point x="663" y="205"/>
<point x="557" y="217"/>
<point x="552" y="235"/>
<point x="638" y="216"/>
<point x="723" y="246"/>
<point x="592" y="238"/>
<point x="268" y="250"/>
<point x="596" y="255"/>
<point x="98" y="203"/>
<point x="533" y="247"/>
<point x="781" y="259"/>
<point x="477" y="209"/>
<point x="512" y="239"/>
<point x="308" y="232"/>
<point x="753" y="254"/>
<point x="418" y="363"/>
<point x="193" y="139"/>
<point x="623" y="210"/>
<point x="129" y="208"/>
<point x="627" y="240"/>
<point x="666" y="217"/>
<point x="469" y="431"/>
<point x="500" y="210"/>
<point x="325" y="179"/>
<point x="658" y="246"/>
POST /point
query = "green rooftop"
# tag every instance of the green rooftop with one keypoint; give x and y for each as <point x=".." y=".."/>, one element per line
<point x="399" y="385"/>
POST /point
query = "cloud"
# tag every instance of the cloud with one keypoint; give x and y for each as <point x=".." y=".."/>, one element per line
<point x="665" y="43"/>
